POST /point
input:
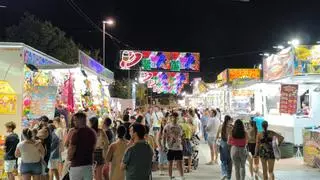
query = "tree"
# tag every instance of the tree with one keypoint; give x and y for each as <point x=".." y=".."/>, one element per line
<point x="44" y="37"/>
<point x="121" y="89"/>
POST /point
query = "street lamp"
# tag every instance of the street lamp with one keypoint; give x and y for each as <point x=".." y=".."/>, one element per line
<point x="294" y="42"/>
<point x="110" y="22"/>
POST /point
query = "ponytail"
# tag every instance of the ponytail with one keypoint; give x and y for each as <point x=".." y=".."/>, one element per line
<point x="27" y="133"/>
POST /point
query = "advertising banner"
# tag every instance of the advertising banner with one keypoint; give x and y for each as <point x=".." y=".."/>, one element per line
<point x="37" y="59"/>
<point x="311" y="148"/>
<point x="165" y="82"/>
<point x="288" y="98"/>
<point x="94" y="65"/>
<point x="43" y="100"/>
<point x="8" y="99"/>
<point x="223" y="77"/>
<point x="243" y="74"/>
<point x="307" y="60"/>
<point x="278" y="65"/>
<point x="159" y="60"/>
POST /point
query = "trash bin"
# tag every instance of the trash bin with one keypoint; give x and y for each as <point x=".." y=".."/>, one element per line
<point x="287" y="150"/>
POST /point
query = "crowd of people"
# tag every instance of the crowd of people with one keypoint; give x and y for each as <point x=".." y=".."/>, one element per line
<point x="141" y="142"/>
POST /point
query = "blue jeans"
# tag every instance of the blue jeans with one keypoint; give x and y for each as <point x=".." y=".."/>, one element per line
<point x="225" y="157"/>
<point x="205" y="134"/>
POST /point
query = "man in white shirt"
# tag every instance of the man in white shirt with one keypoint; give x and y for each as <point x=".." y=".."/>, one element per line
<point x="156" y="118"/>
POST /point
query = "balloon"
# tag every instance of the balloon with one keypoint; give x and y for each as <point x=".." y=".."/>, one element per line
<point x="27" y="102"/>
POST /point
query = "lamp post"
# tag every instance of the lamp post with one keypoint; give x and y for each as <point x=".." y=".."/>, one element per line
<point x="109" y="22"/>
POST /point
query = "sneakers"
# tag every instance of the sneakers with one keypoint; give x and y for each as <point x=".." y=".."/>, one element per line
<point x="210" y="163"/>
<point x="224" y="177"/>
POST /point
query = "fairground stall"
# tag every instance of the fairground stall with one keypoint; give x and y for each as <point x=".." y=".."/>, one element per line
<point x="291" y="91"/>
<point x="83" y="86"/>
<point x="20" y="80"/>
<point x="240" y="95"/>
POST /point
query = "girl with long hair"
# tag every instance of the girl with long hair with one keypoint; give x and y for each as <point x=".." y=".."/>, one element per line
<point x="226" y="162"/>
<point x="31" y="153"/>
<point x="212" y="129"/>
<point x="265" y="151"/>
<point x="101" y="147"/>
<point x="252" y="136"/>
<point x="238" y="141"/>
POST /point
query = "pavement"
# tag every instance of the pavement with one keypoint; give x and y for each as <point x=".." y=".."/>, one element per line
<point x="285" y="169"/>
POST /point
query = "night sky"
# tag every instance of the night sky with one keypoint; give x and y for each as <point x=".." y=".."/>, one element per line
<point x="214" y="28"/>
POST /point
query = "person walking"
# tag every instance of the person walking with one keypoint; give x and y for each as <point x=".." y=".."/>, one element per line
<point x="81" y="147"/>
<point x="265" y="151"/>
<point x="10" y="145"/>
<point x="204" y="122"/>
<point x="127" y="125"/>
<point x="253" y="162"/>
<point x="172" y="137"/>
<point x="212" y="130"/>
<point x="224" y="132"/>
<point x="54" y="159"/>
<point x="188" y="131"/>
<point x="115" y="154"/>
<point x="156" y="117"/>
<point x="101" y="147"/>
<point x="238" y="141"/>
<point x="137" y="161"/>
<point x="161" y="147"/>
<point x="31" y="153"/>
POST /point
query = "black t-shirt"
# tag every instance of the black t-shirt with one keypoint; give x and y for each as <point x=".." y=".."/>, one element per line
<point x="127" y="126"/>
<point x="110" y="135"/>
<point x="11" y="143"/>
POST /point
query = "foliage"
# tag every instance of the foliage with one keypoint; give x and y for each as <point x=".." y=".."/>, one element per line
<point x="121" y="89"/>
<point x="42" y="35"/>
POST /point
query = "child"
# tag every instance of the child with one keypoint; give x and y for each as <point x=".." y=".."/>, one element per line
<point x="11" y="142"/>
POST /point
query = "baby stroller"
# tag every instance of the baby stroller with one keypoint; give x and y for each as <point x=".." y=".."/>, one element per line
<point x="195" y="141"/>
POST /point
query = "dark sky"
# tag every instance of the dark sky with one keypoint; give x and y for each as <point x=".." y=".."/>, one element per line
<point x="213" y="28"/>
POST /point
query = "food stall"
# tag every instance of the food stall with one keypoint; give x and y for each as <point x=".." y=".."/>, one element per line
<point x="291" y="91"/>
<point x="240" y="91"/>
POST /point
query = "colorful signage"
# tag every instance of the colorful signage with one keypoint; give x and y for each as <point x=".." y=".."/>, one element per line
<point x="278" y="65"/>
<point x="223" y="77"/>
<point x="288" y="98"/>
<point x="37" y="59"/>
<point x="243" y="74"/>
<point x="8" y="99"/>
<point x="311" y="148"/>
<point x="165" y="82"/>
<point x="159" y="60"/>
<point x="43" y="100"/>
<point x="307" y="60"/>
<point x="94" y="65"/>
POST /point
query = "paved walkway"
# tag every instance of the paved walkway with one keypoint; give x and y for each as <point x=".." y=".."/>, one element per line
<point x="203" y="172"/>
<point x="286" y="169"/>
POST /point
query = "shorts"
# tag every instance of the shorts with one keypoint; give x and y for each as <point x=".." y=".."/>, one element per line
<point x="175" y="155"/>
<point x="54" y="163"/>
<point x="98" y="157"/>
<point x="187" y="148"/>
<point x="31" y="168"/>
<point x="251" y="148"/>
<point x="10" y="165"/>
<point x="211" y="141"/>
<point x="156" y="129"/>
<point x="163" y="158"/>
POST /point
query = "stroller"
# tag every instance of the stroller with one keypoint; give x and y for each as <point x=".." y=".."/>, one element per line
<point x="195" y="141"/>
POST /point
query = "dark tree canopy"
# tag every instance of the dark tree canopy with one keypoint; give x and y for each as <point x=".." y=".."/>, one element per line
<point x="45" y="37"/>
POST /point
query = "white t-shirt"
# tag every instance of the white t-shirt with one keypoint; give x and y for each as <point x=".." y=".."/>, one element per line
<point x="29" y="152"/>
<point x="213" y="126"/>
<point x="157" y="117"/>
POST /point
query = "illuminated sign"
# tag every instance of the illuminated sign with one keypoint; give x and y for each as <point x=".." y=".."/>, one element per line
<point x="243" y="74"/>
<point x="36" y="59"/>
<point x="95" y="66"/>
<point x="159" y="60"/>
<point x="165" y="82"/>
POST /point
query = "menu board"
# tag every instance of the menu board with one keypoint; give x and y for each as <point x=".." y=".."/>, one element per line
<point x="288" y="98"/>
<point x="43" y="99"/>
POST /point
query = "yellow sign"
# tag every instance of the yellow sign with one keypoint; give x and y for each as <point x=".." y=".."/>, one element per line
<point x="8" y="99"/>
<point x="244" y="74"/>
